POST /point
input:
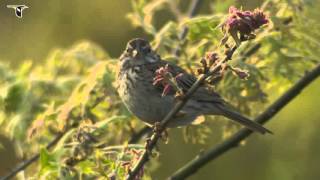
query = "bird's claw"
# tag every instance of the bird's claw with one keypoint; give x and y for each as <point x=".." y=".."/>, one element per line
<point x="165" y="136"/>
<point x="157" y="127"/>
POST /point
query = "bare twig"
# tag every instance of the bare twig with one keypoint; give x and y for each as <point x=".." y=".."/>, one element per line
<point x="178" y="106"/>
<point x="194" y="165"/>
<point x="137" y="136"/>
<point x="194" y="8"/>
<point x="34" y="158"/>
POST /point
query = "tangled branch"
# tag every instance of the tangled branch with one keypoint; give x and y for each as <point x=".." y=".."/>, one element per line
<point x="201" y="160"/>
<point x="240" y="25"/>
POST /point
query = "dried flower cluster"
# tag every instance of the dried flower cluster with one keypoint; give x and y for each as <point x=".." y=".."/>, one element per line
<point x="206" y="62"/>
<point x="165" y="78"/>
<point x="241" y="24"/>
<point x="241" y="73"/>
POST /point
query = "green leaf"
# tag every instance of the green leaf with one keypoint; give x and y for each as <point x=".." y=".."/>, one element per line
<point x="62" y="141"/>
<point x="87" y="167"/>
<point x="104" y="123"/>
<point x="203" y="27"/>
<point x="48" y="164"/>
<point x="14" y="97"/>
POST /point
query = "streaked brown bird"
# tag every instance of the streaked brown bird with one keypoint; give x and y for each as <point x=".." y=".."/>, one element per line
<point x="138" y="66"/>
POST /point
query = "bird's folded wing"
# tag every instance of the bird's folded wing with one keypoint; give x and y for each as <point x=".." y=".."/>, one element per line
<point x="186" y="80"/>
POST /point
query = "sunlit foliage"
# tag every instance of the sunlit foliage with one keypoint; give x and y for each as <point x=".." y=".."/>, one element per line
<point x="73" y="91"/>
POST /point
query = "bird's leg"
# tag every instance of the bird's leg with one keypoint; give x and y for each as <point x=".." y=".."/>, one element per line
<point x="165" y="136"/>
<point x="148" y="149"/>
<point x="157" y="128"/>
<point x="147" y="146"/>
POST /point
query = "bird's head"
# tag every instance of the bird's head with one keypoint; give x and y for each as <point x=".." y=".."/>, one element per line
<point x="139" y="51"/>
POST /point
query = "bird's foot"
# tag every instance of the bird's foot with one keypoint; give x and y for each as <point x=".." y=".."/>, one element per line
<point x="163" y="133"/>
<point x="157" y="128"/>
<point x="165" y="136"/>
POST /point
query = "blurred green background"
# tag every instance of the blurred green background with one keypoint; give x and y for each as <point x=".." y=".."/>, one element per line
<point x="292" y="153"/>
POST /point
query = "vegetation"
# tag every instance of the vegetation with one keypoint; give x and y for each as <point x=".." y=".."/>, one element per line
<point x="71" y="97"/>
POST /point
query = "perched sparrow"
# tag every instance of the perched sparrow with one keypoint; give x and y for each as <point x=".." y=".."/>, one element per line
<point x="138" y="66"/>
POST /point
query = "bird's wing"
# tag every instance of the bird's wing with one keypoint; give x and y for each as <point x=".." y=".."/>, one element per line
<point x="185" y="81"/>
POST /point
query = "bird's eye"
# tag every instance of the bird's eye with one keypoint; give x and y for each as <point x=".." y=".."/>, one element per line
<point x="129" y="50"/>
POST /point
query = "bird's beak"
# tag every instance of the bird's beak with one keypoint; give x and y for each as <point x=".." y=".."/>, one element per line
<point x="134" y="53"/>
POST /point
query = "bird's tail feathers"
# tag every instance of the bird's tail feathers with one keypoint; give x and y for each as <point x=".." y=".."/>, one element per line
<point x="233" y="115"/>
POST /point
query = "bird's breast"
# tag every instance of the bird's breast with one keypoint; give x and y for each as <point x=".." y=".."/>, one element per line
<point x="141" y="97"/>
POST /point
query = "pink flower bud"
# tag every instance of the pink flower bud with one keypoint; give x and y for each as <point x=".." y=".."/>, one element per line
<point x="211" y="57"/>
<point x="162" y="79"/>
<point x="233" y="10"/>
<point x="242" y="74"/>
<point x="167" y="88"/>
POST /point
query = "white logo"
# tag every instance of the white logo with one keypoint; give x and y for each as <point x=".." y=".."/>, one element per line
<point x="18" y="9"/>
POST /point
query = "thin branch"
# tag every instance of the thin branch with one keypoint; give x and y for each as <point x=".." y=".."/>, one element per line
<point x="252" y="50"/>
<point x="134" y="138"/>
<point x="194" y="165"/>
<point x="177" y="107"/>
<point x="193" y="10"/>
<point x="34" y="158"/>
<point x="137" y="136"/>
